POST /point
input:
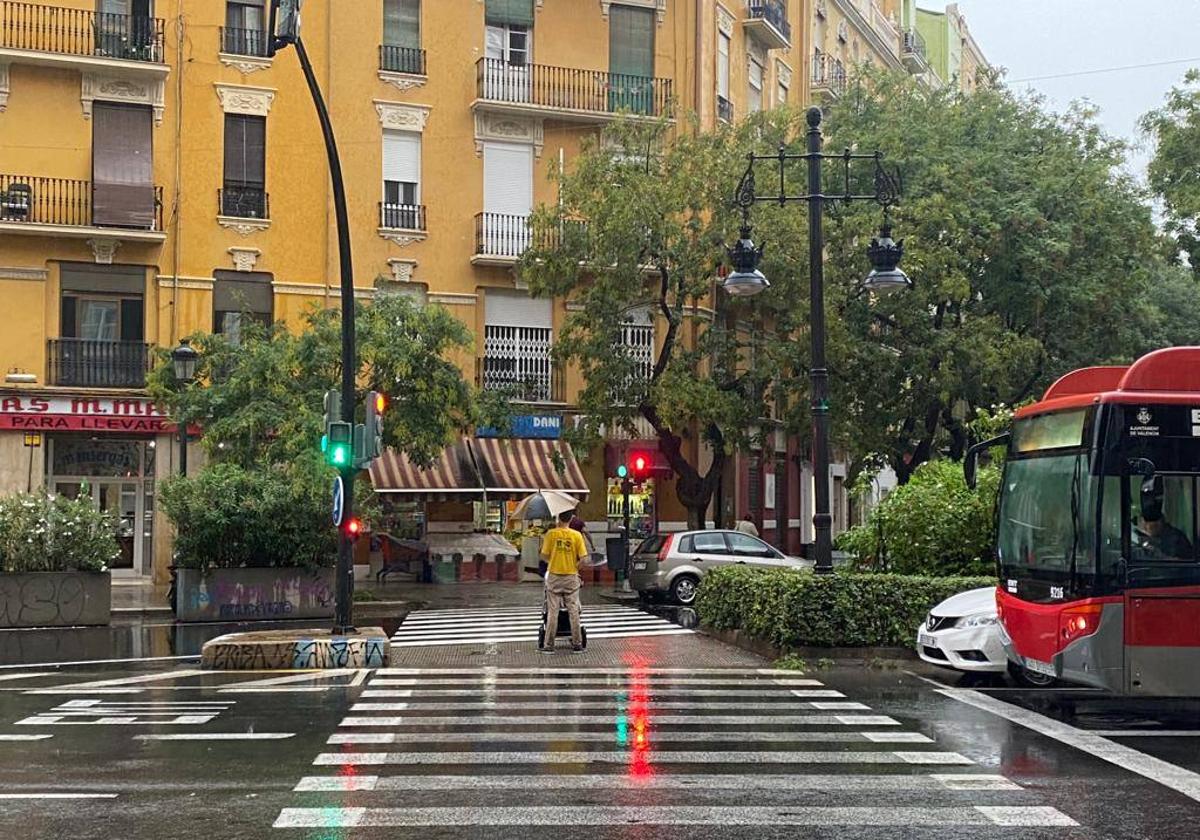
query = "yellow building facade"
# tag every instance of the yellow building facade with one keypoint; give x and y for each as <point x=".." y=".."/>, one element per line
<point x="160" y="174"/>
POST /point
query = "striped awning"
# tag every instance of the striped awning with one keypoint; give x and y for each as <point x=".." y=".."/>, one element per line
<point x="451" y="476"/>
<point x="517" y="467"/>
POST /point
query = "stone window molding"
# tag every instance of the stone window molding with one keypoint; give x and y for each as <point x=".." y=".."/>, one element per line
<point x="402" y="269"/>
<point x="504" y="128"/>
<point x="245" y="64"/>
<point x="243" y="227"/>
<point x="401" y="237"/>
<point x="724" y="20"/>
<point x="402" y="81"/>
<point x="244" y="259"/>
<point x="783" y="73"/>
<point x="104" y="248"/>
<point x="244" y="99"/>
<point x="659" y="6"/>
<point x="97" y="87"/>
<point x="22" y="273"/>
<point x="401" y="116"/>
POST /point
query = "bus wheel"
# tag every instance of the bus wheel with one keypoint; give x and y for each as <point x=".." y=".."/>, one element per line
<point x="1030" y="679"/>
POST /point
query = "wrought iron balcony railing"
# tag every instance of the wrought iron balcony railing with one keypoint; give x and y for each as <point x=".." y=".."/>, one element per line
<point x="62" y="201"/>
<point x="89" y="363"/>
<point x="724" y="109"/>
<point x="402" y="216"/>
<point x="244" y="201"/>
<point x="829" y="74"/>
<point x="53" y="29"/>
<point x="773" y="12"/>
<point x="517" y="360"/>
<point x="571" y="89"/>
<point x="243" y="41"/>
<point x="914" y="43"/>
<point x="402" y="60"/>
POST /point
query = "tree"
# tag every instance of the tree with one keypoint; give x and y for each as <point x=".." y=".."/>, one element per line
<point x="639" y="229"/>
<point x="1031" y="250"/>
<point x="1174" y="171"/>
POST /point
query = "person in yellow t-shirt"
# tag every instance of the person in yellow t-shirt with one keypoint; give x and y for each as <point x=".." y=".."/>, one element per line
<point x="563" y="548"/>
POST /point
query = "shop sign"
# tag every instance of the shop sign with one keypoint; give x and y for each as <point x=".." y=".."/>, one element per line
<point x="542" y="426"/>
<point x="83" y="414"/>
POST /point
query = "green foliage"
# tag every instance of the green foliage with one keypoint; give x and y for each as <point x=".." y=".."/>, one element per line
<point x="934" y="525"/>
<point x="1173" y="172"/>
<point x="1031" y="248"/>
<point x="229" y="516"/>
<point x="790" y="662"/>
<point x="49" y="533"/>
<point x="791" y="609"/>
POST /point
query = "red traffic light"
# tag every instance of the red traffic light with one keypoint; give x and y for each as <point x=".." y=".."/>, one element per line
<point x="353" y="527"/>
<point x="639" y="465"/>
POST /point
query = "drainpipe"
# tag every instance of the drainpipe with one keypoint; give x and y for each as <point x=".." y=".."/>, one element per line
<point x="697" y="61"/>
<point x="176" y="244"/>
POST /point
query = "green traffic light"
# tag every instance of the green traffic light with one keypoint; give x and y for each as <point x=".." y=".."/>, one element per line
<point x="622" y="471"/>
<point x="339" y="455"/>
<point x="324" y="443"/>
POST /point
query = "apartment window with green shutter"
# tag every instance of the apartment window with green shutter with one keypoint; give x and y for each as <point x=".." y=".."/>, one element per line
<point x="402" y="23"/>
<point x="631" y="57"/>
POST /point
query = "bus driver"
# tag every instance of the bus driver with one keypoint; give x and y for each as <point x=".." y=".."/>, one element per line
<point x="1161" y="536"/>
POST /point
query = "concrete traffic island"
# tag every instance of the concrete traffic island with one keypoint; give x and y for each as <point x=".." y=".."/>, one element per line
<point x="293" y="650"/>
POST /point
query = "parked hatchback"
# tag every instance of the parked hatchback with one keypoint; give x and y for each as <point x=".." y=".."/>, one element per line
<point x="673" y="564"/>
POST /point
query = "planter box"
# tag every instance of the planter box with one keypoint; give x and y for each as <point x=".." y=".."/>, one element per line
<point x="55" y="599"/>
<point x="254" y="594"/>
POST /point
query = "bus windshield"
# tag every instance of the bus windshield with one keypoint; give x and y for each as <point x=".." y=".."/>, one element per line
<point x="1044" y="513"/>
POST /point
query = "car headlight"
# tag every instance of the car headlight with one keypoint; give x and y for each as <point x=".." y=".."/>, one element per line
<point x="979" y="620"/>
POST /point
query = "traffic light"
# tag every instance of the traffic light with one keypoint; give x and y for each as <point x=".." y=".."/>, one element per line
<point x="339" y="444"/>
<point x="373" y="431"/>
<point x="353" y="527"/>
<point x="285" y="23"/>
<point x="639" y="466"/>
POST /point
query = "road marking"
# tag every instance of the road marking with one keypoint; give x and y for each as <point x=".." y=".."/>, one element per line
<point x="555" y="682"/>
<point x="630" y="671"/>
<point x="54" y="795"/>
<point x="90" y="687"/>
<point x="99" y="662"/>
<point x="1144" y="733"/>
<point x="540" y="694"/>
<point x="102" y="712"/>
<point x="661" y="720"/>
<point x="655" y="736"/>
<point x="527" y="638"/>
<point x="5" y="677"/>
<point x="292" y="679"/>
<point x="616" y="702"/>
<point x="487" y="625"/>
<point x="218" y="736"/>
<point x="24" y="737"/>
<point x="1166" y="774"/>
<point x="625" y="756"/>
<point x="602" y="815"/>
<point x="856" y="783"/>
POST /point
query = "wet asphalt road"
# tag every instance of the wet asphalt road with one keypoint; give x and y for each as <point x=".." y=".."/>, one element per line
<point x="673" y="736"/>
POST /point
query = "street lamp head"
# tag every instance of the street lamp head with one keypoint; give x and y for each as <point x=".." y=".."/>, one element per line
<point x="746" y="279"/>
<point x="184" y="358"/>
<point x="885" y="255"/>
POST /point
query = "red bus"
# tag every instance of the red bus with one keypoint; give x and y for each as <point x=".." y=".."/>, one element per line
<point x="1097" y="528"/>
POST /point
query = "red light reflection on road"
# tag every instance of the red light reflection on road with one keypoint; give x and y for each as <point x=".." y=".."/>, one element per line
<point x="640" y="764"/>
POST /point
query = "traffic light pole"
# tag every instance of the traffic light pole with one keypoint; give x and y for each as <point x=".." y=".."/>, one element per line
<point x="626" y="487"/>
<point x="344" y="617"/>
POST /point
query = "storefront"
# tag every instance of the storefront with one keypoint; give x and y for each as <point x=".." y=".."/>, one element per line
<point x="112" y="450"/>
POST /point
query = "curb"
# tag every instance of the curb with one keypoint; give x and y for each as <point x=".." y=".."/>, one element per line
<point x="290" y="650"/>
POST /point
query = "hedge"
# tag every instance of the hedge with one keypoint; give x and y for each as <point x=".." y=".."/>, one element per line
<point x="40" y="532"/>
<point x="790" y="609"/>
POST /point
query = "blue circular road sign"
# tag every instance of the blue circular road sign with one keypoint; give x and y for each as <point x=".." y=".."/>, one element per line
<point x="339" y="496"/>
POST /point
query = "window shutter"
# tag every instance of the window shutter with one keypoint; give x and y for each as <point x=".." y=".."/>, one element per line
<point x="243" y="292"/>
<point x="132" y="319"/>
<point x="402" y="23"/>
<point x="402" y="156"/>
<point x="517" y="309"/>
<point x="507" y="179"/>
<point x="510" y="12"/>
<point x="67" y="325"/>
<point x="245" y="149"/>
<point x="631" y="41"/>
<point x="122" y="165"/>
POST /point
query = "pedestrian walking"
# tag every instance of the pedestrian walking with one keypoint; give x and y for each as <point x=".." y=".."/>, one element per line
<point x="747" y="526"/>
<point x="563" y="549"/>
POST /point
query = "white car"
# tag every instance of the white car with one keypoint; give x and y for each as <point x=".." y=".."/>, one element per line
<point x="963" y="633"/>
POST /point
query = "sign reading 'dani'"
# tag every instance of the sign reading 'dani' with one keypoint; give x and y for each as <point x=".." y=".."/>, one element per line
<point x="87" y="414"/>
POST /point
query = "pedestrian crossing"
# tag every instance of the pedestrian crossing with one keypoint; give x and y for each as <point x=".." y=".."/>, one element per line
<point x="463" y="749"/>
<point x="492" y="625"/>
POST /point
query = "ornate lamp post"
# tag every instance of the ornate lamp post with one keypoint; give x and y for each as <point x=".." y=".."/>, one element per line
<point x="184" y="359"/>
<point x="886" y="276"/>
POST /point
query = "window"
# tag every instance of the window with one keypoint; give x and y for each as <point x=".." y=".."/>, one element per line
<point x="631" y="58"/>
<point x="518" y="335"/>
<point x="244" y="194"/>
<point x="723" y="65"/>
<point x="402" y="23"/>
<point x="507" y="198"/>
<point x="509" y="44"/>
<point x="756" y="86"/>
<point x="125" y="29"/>
<point x="401" y="179"/>
<point x="709" y="543"/>
<point x="781" y="93"/>
<point x="245" y="28"/>
<point x="1039" y="533"/>
<point x="744" y="545"/>
<point x="239" y="297"/>
<point x="122" y="166"/>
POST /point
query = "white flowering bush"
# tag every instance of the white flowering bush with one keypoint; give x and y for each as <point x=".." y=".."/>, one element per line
<point x="42" y="532"/>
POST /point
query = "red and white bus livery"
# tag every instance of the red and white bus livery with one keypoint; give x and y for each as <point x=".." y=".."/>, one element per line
<point x="1097" y="534"/>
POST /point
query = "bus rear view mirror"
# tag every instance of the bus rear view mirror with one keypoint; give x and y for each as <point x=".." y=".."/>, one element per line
<point x="1141" y="466"/>
<point x="971" y="459"/>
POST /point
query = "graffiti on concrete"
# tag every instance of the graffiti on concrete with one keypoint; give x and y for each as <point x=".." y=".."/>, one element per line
<point x="301" y="654"/>
<point x="237" y="594"/>
<point x="53" y="599"/>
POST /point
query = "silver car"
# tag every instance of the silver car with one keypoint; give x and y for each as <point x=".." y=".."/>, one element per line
<point x="673" y="564"/>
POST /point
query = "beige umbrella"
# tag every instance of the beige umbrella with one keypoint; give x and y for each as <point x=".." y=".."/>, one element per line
<point x="545" y="504"/>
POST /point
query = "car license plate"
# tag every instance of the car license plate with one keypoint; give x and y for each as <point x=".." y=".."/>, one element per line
<point x="925" y="640"/>
<point x="641" y="564"/>
<point x="1040" y="667"/>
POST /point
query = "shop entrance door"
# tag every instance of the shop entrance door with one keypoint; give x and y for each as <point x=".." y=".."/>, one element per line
<point x="121" y="501"/>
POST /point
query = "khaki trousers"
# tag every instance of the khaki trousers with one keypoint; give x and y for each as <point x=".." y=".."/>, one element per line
<point x="562" y="590"/>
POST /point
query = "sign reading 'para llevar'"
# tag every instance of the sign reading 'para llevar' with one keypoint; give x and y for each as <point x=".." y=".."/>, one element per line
<point x="82" y="414"/>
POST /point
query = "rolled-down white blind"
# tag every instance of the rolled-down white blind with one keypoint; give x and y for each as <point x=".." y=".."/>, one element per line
<point x="507" y="179"/>
<point x="517" y="309"/>
<point x="402" y="156"/>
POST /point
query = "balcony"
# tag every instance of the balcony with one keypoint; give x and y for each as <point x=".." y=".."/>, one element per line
<point x="244" y="201"/>
<point x="63" y="207"/>
<point x="567" y="93"/>
<point x="517" y="360"/>
<point x="402" y="216"/>
<point x="500" y="238"/>
<point x="251" y="42"/>
<point x="913" y="52"/>
<point x="87" y="363"/>
<point x="829" y="77"/>
<point x="81" y="39"/>
<point x="405" y="60"/>
<point x="767" y="21"/>
<point x="724" y="109"/>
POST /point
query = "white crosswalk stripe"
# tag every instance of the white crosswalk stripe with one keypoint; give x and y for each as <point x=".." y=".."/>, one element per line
<point x="487" y="625"/>
<point x="739" y="747"/>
